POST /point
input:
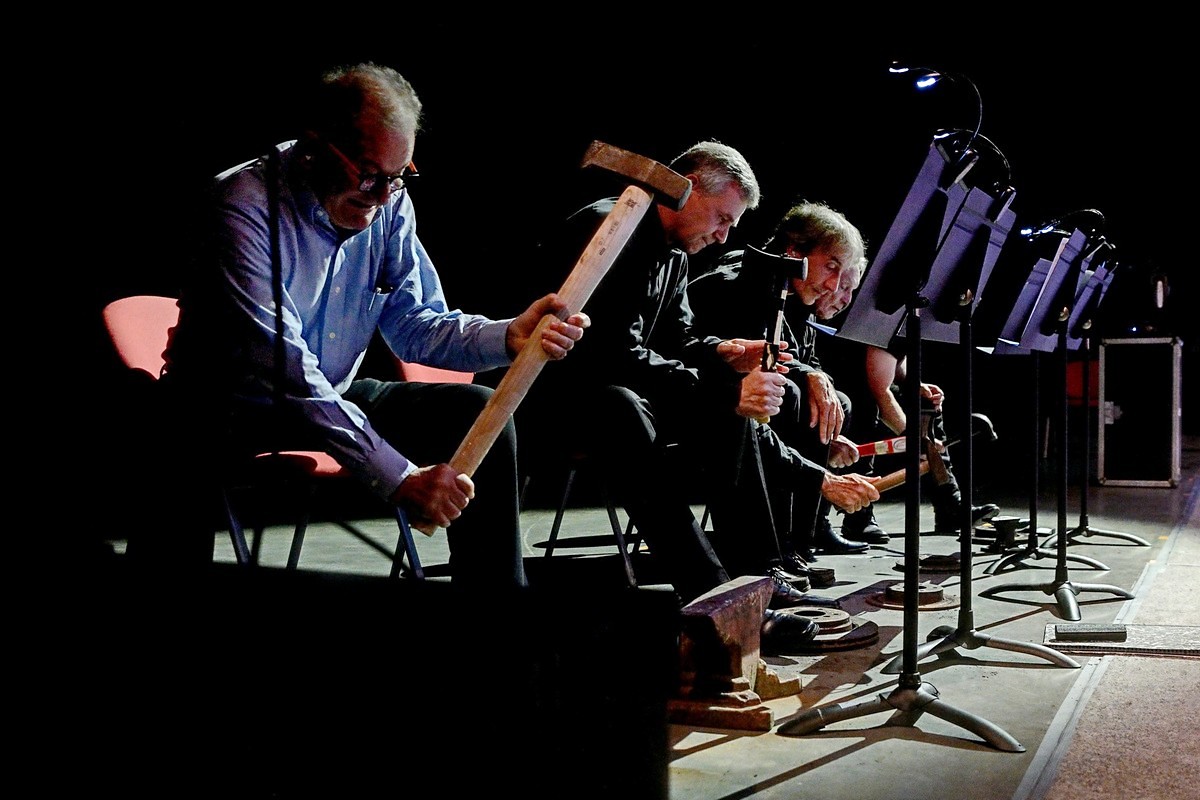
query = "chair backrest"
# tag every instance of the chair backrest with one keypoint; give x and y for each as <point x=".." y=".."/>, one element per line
<point x="140" y="327"/>
<point x="419" y="373"/>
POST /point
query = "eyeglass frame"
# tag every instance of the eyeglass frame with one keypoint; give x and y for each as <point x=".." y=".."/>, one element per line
<point x="368" y="182"/>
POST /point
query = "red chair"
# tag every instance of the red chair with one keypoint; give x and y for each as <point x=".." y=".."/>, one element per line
<point x="139" y="328"/>
<point x="419" y="373"/>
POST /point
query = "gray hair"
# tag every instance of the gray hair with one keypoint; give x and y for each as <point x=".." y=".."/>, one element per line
<point x="808" y="226"/>
<point x="716" y="166"/>
<point x="346" y="96"/>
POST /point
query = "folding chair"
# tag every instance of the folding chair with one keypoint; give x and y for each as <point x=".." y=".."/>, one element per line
<point x="138" y="328"/>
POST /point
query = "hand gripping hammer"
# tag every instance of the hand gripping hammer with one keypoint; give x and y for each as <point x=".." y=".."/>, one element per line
<point x="647" y="179"/>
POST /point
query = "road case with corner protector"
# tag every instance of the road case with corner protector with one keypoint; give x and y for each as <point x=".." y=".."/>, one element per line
<point x="1140" y="412"/>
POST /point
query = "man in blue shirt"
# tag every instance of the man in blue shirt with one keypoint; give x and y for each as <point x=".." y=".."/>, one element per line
<point x="326" y="224"/>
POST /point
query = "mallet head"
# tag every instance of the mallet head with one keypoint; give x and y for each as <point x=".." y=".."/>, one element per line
<point x="669" y="187"/>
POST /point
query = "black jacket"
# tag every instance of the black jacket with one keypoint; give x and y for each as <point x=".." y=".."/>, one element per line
<point x="642" y="334"/>
<point x="731" y="301"/>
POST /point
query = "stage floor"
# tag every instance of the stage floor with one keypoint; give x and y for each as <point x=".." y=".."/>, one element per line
<point x="1008" y="722"/>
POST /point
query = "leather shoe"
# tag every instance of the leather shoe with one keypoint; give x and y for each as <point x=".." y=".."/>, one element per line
<point x="798" y="580"/>
<point x="806" y="553"/>
<point x="785" y="633"/>
<point x="945" y="523"/>
<point x="861" y="526"/>
<point x="818" y="577"/>
<point x="783" y="594"/>
<point x="821" y="601"/>
<point x="830" y="542"/>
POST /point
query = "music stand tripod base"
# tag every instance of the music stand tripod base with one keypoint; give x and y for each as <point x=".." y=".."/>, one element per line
<point x="908" y="704"/>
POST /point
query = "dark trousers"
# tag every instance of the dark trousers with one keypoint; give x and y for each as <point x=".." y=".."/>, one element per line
<point x="649" y="460"/>
<point x="199" y="456"/>
<point x="770" y="505"/>
<point x="748" y="517"/>
<point x="427" y="422"/>
<point x="792" y="458"/>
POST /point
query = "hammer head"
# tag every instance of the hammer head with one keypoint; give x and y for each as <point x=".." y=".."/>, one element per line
<point x="980" y="424"/>
<point x="777" y="264"/>
<point x="670" y="188"/>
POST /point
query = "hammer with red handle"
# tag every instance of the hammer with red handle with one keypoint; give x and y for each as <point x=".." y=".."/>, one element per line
<point x="897" y="444"/>
<point x="932" y="455"/>
<point x="647" y="179"/>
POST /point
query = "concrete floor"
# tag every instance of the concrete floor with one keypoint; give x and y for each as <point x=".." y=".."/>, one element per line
<point x="1009" y="706"/>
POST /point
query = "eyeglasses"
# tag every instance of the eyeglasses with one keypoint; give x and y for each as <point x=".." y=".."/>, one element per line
<point x="369" y="182"/>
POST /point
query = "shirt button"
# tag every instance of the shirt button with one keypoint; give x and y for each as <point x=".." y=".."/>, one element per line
<point x="333" y="336"/>
<point x="337" y="290"/>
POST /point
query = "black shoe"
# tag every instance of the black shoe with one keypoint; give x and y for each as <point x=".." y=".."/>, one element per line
<point x="783" y="594"/>
<point x="785" y="633"/>
<point x="806" y="553"/>
<point x="818" y="577"/>
<point x="830" y="542"/>
<point x="944" y="519"/>
<point x="862" y="527"/>
<point x="821" y="601"/>
<point x="798" y="580"/>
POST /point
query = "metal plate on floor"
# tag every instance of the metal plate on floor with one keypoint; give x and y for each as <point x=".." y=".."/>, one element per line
<point x="837" y="630"/>
<point x="930" y="597"/>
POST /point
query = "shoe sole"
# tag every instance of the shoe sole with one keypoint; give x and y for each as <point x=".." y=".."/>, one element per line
<point x="800" y="583"/>
<point x="867" y="538"/>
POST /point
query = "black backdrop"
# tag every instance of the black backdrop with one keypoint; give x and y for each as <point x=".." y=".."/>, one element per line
<point x="510" y="109"/>
<point x="1085" y="121"/>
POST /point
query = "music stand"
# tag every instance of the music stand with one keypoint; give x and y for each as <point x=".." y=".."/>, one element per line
<point x="900" y="273"/>
<point x="958" y="278"/>
<point x="1020" y="333"/>
<point x="1082" y="318"/>
<point x="1048" y="328"/>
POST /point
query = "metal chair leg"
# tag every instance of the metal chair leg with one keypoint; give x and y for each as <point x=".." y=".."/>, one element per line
<point x="630" y="577"/>
<point x="237" y="534"/>
<point x="406" y="547"/>
<point x="562" y="508"/>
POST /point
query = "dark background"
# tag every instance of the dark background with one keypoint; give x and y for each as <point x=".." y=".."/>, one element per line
<point x="1088" y="112"/>
<point x="119" y="119"/>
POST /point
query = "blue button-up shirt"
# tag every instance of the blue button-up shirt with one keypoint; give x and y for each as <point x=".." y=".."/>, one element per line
<point x="337" y="292"/>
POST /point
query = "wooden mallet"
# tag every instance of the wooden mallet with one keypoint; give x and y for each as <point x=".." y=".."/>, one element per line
<point x="648" y="179"/>
<point x="932" y="457"/>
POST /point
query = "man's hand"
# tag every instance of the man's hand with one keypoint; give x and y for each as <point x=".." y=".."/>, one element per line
<point x="761" y="394"/>
<point x="557" y="337"/>
<point x="842" y="452"/>
<point x="849" y="492"/>
<point x="436" y="494"/>
<point x="825" y="410"/>
<point x="933" y="393"/>
<point x="745" y="355"/>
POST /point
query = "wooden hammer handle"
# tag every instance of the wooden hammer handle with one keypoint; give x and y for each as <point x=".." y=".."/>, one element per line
<point x="592" y="266"/>
<point x="894" y="479"/>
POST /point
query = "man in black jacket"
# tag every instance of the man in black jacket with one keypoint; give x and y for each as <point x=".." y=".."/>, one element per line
<point x="817" y="257"/>
<point x="651" y="399"/>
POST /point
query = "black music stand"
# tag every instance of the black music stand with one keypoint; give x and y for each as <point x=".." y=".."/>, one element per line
<point x="1082" y="318"/>
<point x="1048" y="328"/>
<point x="958" y="278"/>
<point x="1020" y="333"/>
<point x="893" y="292"/>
